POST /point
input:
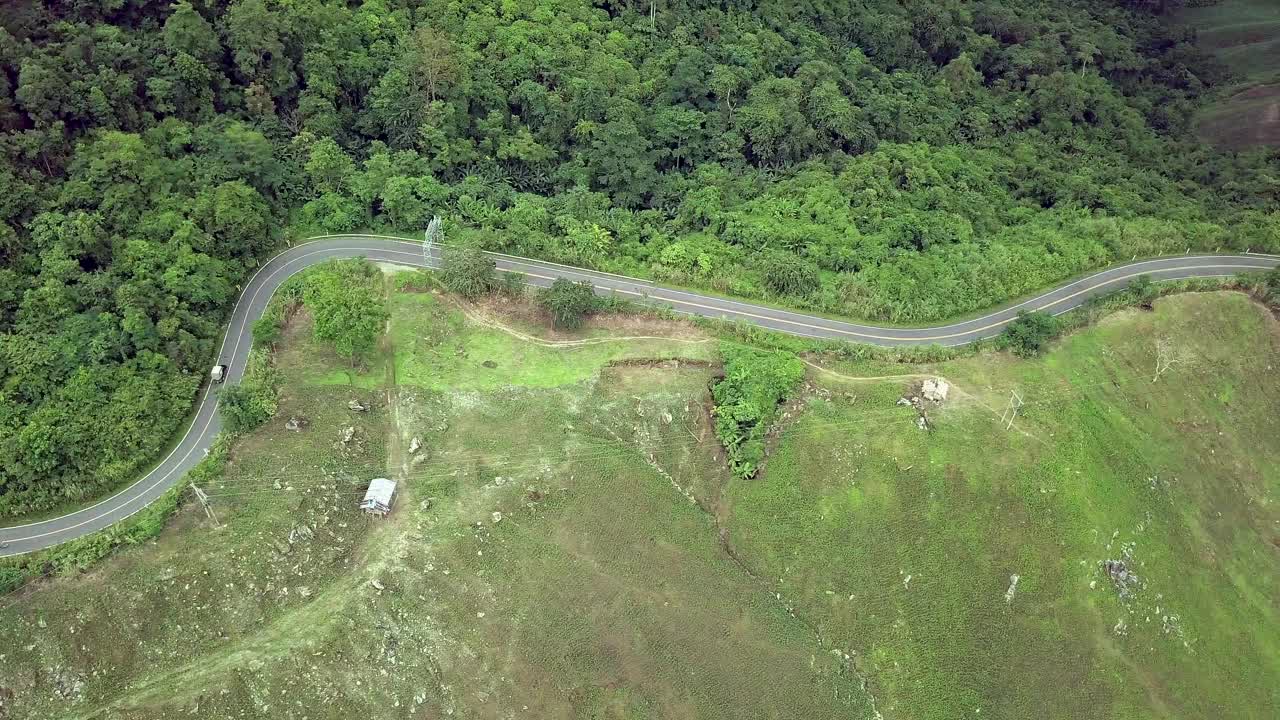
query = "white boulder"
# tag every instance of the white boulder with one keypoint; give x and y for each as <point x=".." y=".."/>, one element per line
<point x="935" y="390"/>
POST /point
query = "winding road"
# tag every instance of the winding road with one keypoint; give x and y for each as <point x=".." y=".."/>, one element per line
<point x="257" y="292"/>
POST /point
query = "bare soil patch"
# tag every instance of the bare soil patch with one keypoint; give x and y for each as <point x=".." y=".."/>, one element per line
<point x="526" y="315"/>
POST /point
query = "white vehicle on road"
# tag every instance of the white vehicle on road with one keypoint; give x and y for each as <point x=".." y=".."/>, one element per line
<point x="218" y="374"/>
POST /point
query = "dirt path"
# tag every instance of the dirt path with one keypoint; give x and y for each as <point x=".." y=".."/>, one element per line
<point x="495" y="325"/>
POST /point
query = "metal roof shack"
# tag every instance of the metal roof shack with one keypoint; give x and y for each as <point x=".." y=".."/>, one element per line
<point x="379" y="497"/>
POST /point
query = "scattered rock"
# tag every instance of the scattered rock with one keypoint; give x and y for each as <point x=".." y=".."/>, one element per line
<point x="295" y="424"/>
<point x="922" y="423"/>
<point x="489" y="364"/>
<point x="299" y="533"/>
<point x="376" y="585"/>
<point x="348" y="433"/>
<point x="1013" y="588"/>
<point x="935" y="390"/>
<point x="497" y="517"/>
<point x="67" y="684"/>
<point x="1125" y="580"/>
<point x="281" y="547"/>
<point x="904" y="401"/>
<point x="415" y="445"/>
<point x="357" y="406"/>
<point x="304" y="591"/>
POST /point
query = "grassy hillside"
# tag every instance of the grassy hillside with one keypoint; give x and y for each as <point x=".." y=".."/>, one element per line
<point x="904" y="545"/>
<point x="1245" y="36"/>
<point x="542" y="561"/>
<point x="569" y="544"/>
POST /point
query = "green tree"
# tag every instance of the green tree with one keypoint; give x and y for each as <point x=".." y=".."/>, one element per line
<point x="347" y="305"/>
<point x="329" y="167"/>
<point x="755" y="382"/>
<point x="186" y="31"/>
<point x="237" y="220"/>
<point x="1030" y="333"/>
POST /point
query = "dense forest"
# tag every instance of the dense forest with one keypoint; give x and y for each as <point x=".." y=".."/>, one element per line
<point x="903" y="160"/>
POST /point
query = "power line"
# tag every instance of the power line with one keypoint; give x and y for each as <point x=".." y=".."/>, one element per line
<point x="605" y="449"/>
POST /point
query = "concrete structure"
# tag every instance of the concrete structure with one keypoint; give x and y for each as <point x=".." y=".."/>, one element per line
<point x="379" y="497"/>
<point x="935" y="390"/>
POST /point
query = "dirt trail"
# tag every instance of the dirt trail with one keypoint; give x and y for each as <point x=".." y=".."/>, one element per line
<point x="495" y="325"/>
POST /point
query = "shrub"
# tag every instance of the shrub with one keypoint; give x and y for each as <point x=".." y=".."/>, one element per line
<point x="252" y="402"/>
<point x="1272" y="283"/>
<point x="789" y="275"/>
<point x="510" y="284"/>
<point x="569" y="303"/>
<point x="1143" y="290"/>
<point x="244" y="408"/>
<point x="755" y="382"/>
<point x="266" y="330"/>
<point x="468" y="272"/>
<point x="1030" y="333"/>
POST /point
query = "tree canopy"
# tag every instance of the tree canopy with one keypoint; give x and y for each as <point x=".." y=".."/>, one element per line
<point x="904" y="160"/>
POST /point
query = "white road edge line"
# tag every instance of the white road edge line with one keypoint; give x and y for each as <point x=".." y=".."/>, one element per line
<point x="1177" y="265"/>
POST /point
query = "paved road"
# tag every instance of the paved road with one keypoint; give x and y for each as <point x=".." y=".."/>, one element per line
<point x="258" y="291"/>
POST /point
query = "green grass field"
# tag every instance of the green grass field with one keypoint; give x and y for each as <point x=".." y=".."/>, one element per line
<point x="568" y="544"/>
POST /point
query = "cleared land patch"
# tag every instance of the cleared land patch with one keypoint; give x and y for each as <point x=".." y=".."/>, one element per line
<point x="438" y="347"/>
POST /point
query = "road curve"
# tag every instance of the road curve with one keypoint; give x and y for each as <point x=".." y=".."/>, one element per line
<point x="257" y="292"/>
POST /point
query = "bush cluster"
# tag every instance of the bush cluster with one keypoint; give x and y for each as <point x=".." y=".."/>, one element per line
<point x="747" y="397"/>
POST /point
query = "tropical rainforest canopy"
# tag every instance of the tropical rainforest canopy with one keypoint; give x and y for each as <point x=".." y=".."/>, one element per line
<point x="903" y="160"/>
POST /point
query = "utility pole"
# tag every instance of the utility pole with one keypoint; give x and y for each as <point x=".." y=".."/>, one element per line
<point x="204" y="501"/>
<point x="430" y="238"/>
<point x="1011" y="412"/>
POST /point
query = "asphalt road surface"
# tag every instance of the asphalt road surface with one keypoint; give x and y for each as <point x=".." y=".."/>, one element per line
<point x="257" y="292"/>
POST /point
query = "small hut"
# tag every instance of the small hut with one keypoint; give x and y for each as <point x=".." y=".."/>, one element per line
<point x="379" y="497"/>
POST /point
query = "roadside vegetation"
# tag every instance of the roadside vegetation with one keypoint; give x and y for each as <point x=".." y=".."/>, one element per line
<point x="575" y="534"/>
<point x="905" y="160"/>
